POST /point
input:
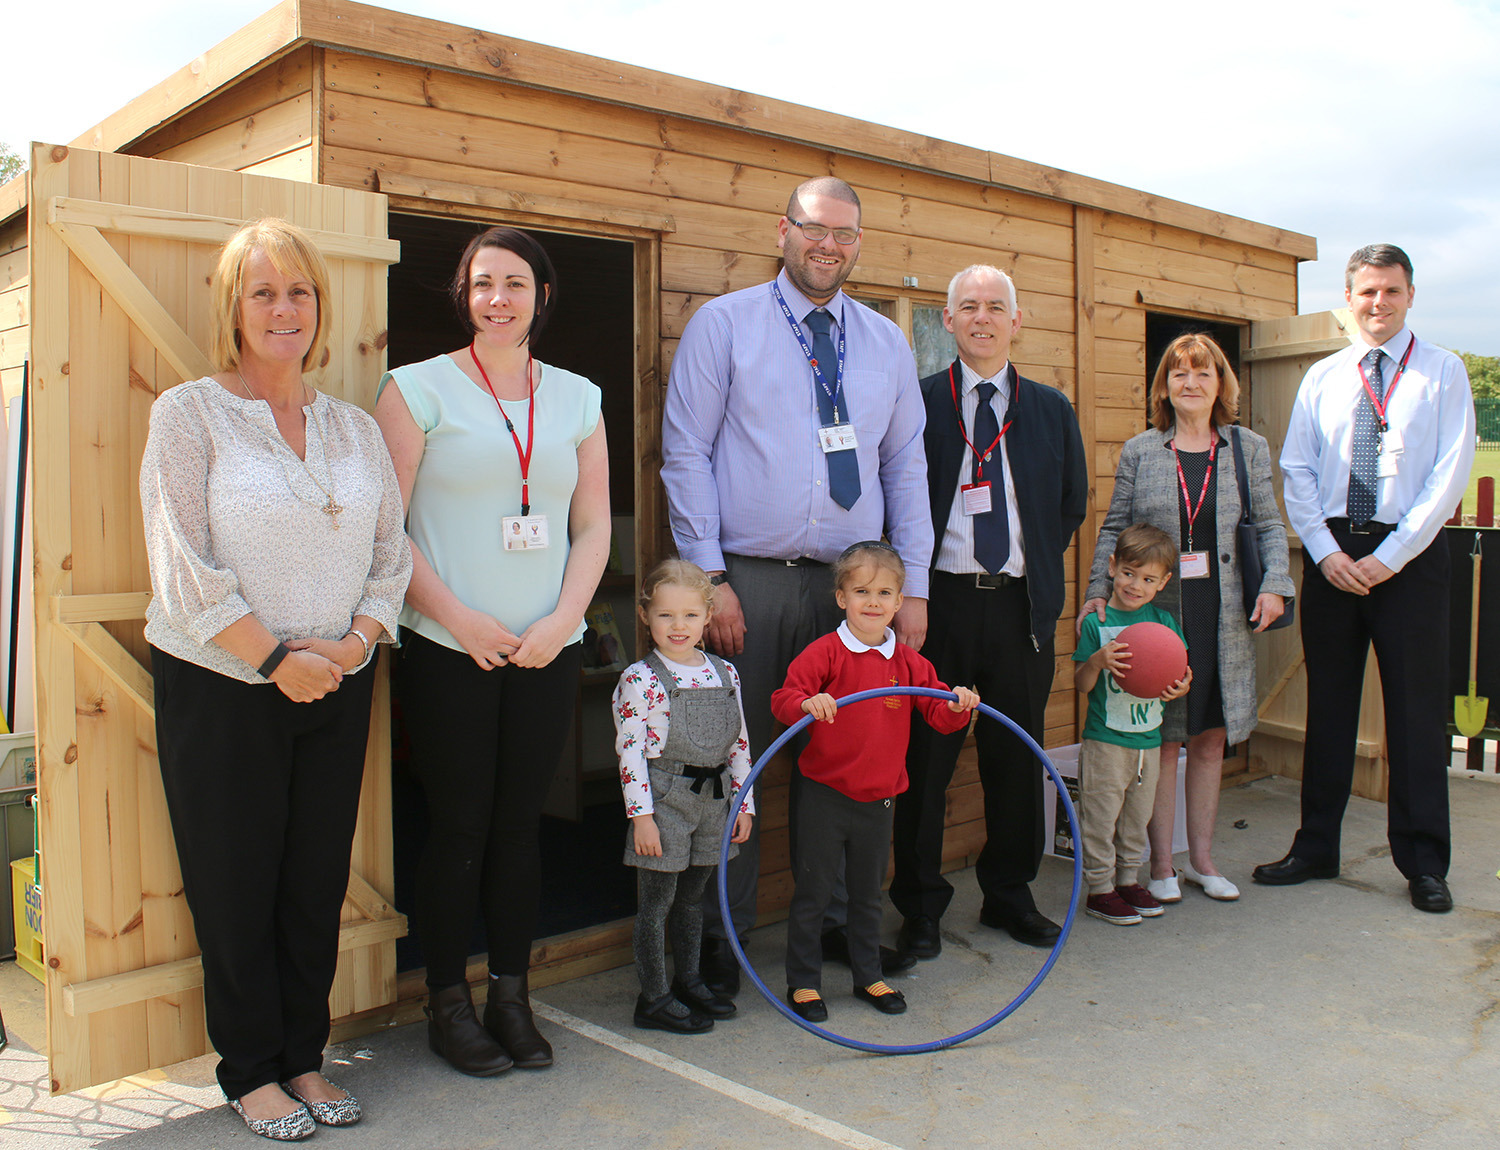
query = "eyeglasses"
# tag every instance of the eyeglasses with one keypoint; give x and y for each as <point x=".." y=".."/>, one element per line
<point x="817" y="232"/>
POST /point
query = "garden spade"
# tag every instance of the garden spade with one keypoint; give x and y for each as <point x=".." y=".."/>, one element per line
<point x="1469" y="710"/>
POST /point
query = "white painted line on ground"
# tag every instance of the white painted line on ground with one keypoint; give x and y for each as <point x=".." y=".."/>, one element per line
<point x="786" y="1111"/>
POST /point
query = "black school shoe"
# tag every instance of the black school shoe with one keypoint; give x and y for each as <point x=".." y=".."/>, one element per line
<point x="814" y="1010"/>
<point x="719" y="968"/>
<point x="697" y="996"/>
<point x="891" y="1002"/>
<point x="656" y="1016"/>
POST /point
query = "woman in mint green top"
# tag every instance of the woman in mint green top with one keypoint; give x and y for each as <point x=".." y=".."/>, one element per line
<point x="503" y="466"/>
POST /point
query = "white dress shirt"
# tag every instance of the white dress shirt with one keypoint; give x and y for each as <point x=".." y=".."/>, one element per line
<point x="1433" y="411"/>
<point x="957" y="551"/>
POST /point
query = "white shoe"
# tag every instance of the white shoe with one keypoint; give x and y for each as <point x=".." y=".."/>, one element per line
<point x="1214" y="885"/>
<point x="1165" y="889"/>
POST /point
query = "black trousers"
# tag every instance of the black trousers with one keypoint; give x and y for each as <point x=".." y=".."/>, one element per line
<point x="263" y="795"/>
<point x="978" y="638"/>
<point x="841" y="839"/>
<point x="1406" y="618"/>
<point x="484" y="746"/>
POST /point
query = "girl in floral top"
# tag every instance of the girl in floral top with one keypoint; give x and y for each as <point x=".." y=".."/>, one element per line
<point x="679" y="725"/>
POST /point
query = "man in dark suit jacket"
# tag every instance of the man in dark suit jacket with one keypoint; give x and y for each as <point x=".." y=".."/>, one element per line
<point x="1007" y="475"/>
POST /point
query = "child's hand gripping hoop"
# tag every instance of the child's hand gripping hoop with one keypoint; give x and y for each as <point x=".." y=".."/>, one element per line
<point x="938" y="1043"/>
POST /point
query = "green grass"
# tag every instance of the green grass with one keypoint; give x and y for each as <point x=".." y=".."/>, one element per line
<point x="1486" y="462"/>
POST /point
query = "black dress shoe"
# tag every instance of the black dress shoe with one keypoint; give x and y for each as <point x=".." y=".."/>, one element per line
<point x="920" y="937"/>
<point x="1292" y="870"/>
<point x="836" y="949"/>
<point x="813" y="1011"/>
<point x="1429" y="892"/>
<point x="659" y="1015"/>
<point x="892" y="1002"/>
<point x="718" y="966"/>
<point x="1033" y="928"/>
<point x="699" y="997"/>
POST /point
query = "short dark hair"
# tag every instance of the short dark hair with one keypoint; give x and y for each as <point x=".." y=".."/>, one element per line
<point x="1142" y="543"/>
<point x="525" y="246"/>
<point x="1377" y="256"/>
<point x="830" y="186"/>
<point x="870" y="553"/>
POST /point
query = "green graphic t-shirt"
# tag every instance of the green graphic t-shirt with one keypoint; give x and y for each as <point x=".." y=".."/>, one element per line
<point x="1114" y="716"/>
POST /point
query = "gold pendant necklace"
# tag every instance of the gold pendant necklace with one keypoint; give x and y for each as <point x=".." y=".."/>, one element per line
<point x="329" y="508"/>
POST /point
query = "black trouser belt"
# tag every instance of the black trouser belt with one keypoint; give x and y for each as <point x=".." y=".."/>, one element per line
<point x="982" y="580"/>
<point x="1369" y="528"/>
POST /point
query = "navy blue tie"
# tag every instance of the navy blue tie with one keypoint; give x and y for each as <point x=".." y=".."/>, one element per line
<point x="1365" y="452"/>
<point x="991" y="528"/>
<point x="843" y="466"/>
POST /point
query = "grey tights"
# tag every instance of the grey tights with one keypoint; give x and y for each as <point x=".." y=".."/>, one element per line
<point x="670" y="902"/>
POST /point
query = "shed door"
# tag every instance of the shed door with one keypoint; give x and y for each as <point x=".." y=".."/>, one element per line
<point x="122" y="249"/>
<point x="1280" y="352"/>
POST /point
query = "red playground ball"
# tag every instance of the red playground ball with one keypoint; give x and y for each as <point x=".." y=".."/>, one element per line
<point x="1157" y="659"/>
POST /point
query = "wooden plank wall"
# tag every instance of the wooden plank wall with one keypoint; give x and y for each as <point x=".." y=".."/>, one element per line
<point x="15" y="307"/>
<point x="448" y="143"/>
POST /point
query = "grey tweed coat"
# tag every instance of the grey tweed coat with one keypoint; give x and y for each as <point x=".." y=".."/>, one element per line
<point x="1146" y="490"/>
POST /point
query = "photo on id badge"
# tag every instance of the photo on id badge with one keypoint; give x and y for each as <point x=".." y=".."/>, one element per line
<point x="524" y="532"/>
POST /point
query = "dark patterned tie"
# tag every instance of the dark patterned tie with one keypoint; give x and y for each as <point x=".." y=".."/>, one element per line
<point x="1366" y="447"/>
<point x="843" y="466"/>
<point x="992" y="528"/>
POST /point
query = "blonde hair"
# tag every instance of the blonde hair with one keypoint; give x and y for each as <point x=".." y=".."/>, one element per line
<point x="1194" y="350"/>
<point x="293" y="255"/>
<point x="870" y="553"/>
<point x="676" y="573"/>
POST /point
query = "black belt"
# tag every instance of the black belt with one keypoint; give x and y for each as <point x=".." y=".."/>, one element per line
<point x="700" y="775"/>
<point x="800" y="561"/>
<point x="1369" y="528"/>
<point x="983" y="580"/>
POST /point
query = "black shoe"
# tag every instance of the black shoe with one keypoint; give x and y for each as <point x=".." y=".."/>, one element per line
<point x="836" y="949"/>
<point x="1292" y="870"/>
<point x="507" y="1016"/>
<point x="1429" y="892"/>
<point x="697" y="996"/>
<point x="1033" y="927"/>
<point x="454" y="1034"/>
<point x="720" y="969"/>
<point x="656" y="1016"/>
<point x="893" y="1002"/>
<point x="814" y="1011"/>
<point x="920" y="937"/>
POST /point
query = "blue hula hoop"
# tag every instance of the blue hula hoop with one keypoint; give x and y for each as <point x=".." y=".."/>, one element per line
<point x="953" y="1039"/>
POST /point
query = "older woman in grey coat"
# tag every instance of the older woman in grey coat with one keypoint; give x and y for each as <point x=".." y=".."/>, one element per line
<point x="1180" y="476"/>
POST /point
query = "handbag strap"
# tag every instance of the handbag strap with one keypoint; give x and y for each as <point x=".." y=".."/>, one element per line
<point x="1239" y="471"/>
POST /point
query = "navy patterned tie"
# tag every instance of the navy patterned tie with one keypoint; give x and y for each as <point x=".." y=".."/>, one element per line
<point x="843" y="466"/>
<point x="1366" y="445"/>
<point x="991" y="528"/>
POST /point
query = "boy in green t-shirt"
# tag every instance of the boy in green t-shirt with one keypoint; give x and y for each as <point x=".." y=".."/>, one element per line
<point x="1119" y="760"/>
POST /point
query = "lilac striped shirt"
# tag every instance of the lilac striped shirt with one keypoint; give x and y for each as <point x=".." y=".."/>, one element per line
<point x="740" y="457"/>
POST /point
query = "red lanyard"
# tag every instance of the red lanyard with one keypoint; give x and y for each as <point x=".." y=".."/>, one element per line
<point x="523" y="456"/>
<point x="1187" y="500"/>
<point x="1381" y="408"/>
<point x="983" y="457"/>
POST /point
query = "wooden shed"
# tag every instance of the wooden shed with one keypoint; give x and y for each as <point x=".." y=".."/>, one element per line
<point x="393" y="137"/>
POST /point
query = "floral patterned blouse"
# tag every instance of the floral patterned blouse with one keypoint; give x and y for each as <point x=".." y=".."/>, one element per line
<point x="641" y="715"/>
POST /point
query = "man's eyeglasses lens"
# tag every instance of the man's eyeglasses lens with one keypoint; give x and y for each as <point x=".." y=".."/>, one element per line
<point x="817" y="232"/>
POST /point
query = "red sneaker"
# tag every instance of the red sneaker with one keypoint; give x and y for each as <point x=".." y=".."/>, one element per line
<point x="1112" y="908"/>
<point x="1141" y="899"/>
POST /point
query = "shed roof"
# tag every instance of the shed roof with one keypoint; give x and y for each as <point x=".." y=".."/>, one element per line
<point x="395" y="35"/>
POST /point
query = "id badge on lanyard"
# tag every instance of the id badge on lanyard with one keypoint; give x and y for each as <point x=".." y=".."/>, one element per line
<point x="524" y="532"/>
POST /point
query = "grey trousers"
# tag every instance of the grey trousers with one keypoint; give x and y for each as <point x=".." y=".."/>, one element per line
<point x="786" y="608"/>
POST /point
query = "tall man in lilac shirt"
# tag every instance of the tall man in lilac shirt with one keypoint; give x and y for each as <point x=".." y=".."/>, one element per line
<point x="776" y="458"/>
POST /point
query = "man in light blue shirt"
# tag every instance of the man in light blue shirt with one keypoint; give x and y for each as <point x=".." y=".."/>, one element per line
<point x="1377" y="456"/>
<point x="792" y="428"/>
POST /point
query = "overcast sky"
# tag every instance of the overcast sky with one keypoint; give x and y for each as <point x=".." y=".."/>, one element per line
<point x="1353" y="123"/>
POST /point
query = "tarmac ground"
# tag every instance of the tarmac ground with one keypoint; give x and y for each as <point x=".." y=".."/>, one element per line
<point x="1330" y="1014"/>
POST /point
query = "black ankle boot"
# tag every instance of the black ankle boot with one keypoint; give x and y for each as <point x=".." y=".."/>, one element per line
<point x="454" y="1033"/>
<point x="507" y="1016"/>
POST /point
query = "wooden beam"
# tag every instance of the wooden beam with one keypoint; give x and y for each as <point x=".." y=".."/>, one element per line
<point x="1085" y="224"/>
<point x="1188" y="302"/>
<point x="110" y="608"/>
<point x="512" y="200"/>
<point x="135" y="300"/>
<point x="1280" y="729"/>
<point x="115" y="661"/>
<point x="1294" y="350"/>
<point x="159" y="223"/>
<point x="12" y="197"/>
<point x="366" y="898"/>
<point x="83" y="998"/>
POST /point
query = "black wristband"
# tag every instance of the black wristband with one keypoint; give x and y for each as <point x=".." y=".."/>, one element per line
<point x="720" y="579"/>
<point x="273" y="660"/>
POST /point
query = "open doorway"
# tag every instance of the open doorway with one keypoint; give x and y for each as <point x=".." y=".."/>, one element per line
<point x="591" y="332"/>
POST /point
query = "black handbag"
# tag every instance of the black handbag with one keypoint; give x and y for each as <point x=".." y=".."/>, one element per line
<point x="1247" y="544"/>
